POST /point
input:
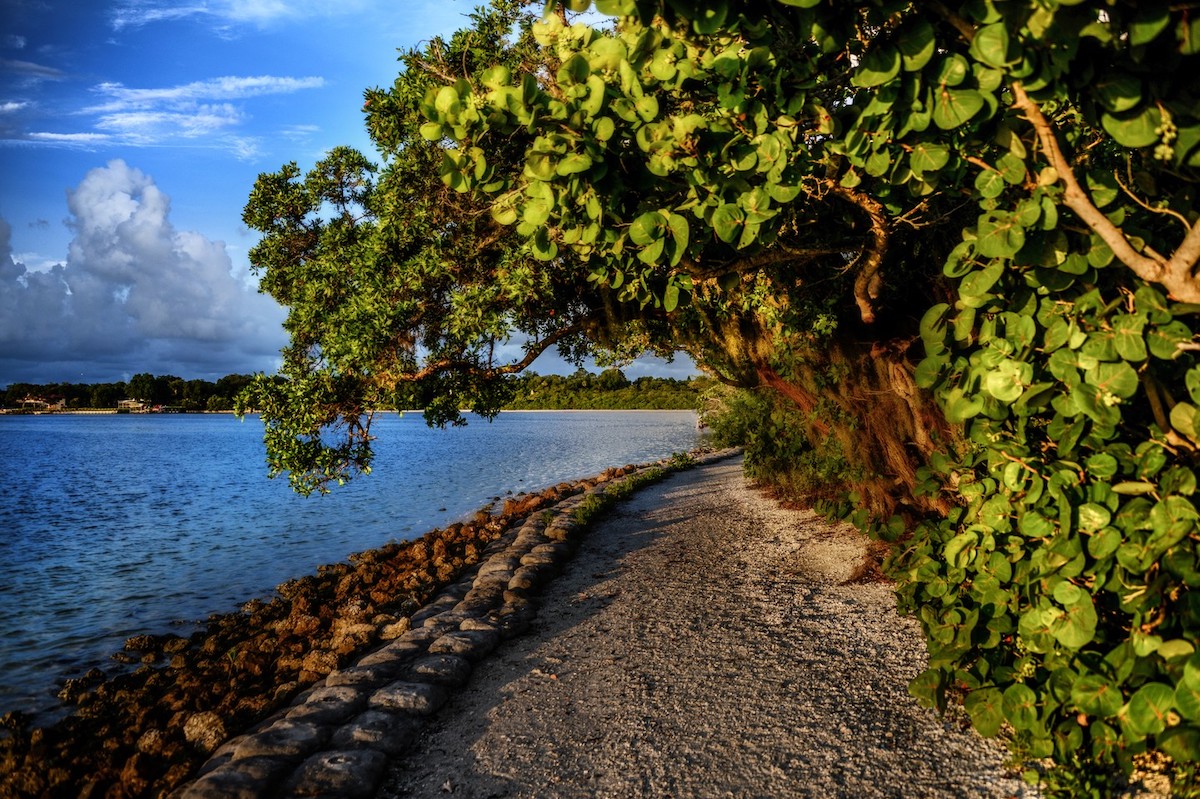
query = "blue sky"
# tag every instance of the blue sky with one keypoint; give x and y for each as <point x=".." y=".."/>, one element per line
<point x="131" y="132"/>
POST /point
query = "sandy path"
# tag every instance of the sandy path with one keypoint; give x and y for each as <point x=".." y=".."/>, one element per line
<point x="703" y="643"/>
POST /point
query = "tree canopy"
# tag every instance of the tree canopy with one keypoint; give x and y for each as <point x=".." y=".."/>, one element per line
<point x="958" y="240"/>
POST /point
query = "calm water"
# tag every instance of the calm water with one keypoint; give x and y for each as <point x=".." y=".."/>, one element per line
<point x="116" y="525"/>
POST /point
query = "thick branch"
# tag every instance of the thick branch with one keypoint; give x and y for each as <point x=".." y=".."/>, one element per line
<point x="467" y="367"/>
<point x="866" y="282"/>
<point x="1174" y="274"/>
<point x="960" y="24"/>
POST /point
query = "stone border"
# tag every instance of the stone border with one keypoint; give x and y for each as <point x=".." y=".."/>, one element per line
<point x="336" y="738"/>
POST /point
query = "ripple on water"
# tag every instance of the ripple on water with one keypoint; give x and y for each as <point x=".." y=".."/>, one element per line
<point x="116" y="525"/>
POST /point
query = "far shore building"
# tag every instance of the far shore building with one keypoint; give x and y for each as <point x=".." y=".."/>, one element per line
<point x="131" y="405"/>
<point x="30" y="403"/>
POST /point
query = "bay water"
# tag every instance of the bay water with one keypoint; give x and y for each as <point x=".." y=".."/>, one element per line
<point x="116" y="525"/>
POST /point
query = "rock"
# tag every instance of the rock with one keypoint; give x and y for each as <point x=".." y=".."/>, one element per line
<point x="320" y="662"/>
<point x="449" y="670"/>
<point x="348" y="773"/>
<point x="151" y="742"/>
<point x="419" y="698"/>
<point x="330" y="705"/>
<point x="205" y="731"/>
<point x="390" y="733"/>
<point x="286" y="739"/>
<point x="470" y="644"/>
<point x="392" y="631"/>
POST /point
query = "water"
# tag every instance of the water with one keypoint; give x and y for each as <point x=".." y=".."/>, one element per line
<point x="118" y="525"/>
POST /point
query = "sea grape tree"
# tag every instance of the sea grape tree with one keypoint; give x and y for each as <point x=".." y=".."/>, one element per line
<point x="959" y="238"/>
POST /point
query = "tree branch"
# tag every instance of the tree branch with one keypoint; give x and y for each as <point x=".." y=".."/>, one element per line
<point x="1174" y="274"/>
<point x="869" y="261"/>
<point x="469" y="368"/>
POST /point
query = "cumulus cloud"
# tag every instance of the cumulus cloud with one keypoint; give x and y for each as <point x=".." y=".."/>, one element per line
<point x="135" y="294"/>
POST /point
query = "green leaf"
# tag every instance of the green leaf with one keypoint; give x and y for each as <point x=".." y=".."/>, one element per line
<point x="1104" y="543"/>
<point x="1187" y="699"/>
<point x="1133" y="128"/>
<point x="671" y="297"/>
<point x="1181" y="743"/>
<point x="991" y="45"/>
<point x="679" y="236"/>
<point x="954" y="107"/>
<point x="1093" y="516"/>
<point x="960" y="407"/>
<point x="646" y="107"/>
<point x="1163" y="341"/>
<point x="990" y="183"/>
<point x="646" y="228"/>
<point x="928" y="157"/>
<point x="1000" y="235"/>
<point x="1128" y="336"/>
<point x="446" y="102"/>
<point x="1006" y="382"/>
<point x="981" y="281"/>
<point x="984" y="707"/>
<point x="727" y="222"/>
<point x="1020" y="706"/>
<point x="1183" y="419"/>
<point x="432" y="131"/>
<point x="1148" y="708"/>
<point x="952" y="71"/>
<point x="1148" y="23"/>
<point x="573" y="163"/>
<point x="917" y="44"/>
<point x="1118" y="92"/>
<point x="1097" y="696"/>
<point x="878" y="66"/>
<point x="1012" y="169"/>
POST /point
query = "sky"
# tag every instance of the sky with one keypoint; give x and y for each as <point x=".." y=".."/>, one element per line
<point x="131" y="133"/>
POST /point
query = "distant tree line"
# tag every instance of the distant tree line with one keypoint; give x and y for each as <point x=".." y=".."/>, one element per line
<point x="168" y="390"/>
<point x="583" y="390"/>
<point x="609" y="390"/>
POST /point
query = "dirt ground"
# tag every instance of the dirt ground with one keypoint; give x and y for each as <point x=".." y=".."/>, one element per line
<point x="705" y="642"/>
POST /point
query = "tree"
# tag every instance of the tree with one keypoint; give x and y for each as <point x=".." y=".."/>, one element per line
<point x="142" y="387"/>
<point x="959" y="239"/>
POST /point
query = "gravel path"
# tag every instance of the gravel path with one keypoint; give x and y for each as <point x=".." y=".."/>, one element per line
<point x="704" y="643"/>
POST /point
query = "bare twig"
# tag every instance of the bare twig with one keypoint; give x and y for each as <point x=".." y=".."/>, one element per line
<point x="1168" y="211"/>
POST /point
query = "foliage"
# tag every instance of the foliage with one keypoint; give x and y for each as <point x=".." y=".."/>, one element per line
<point x="190" y="395"/>
<point x="610" y="390"/>
<point x="779" y="453"/>
<point x="958" y="238"/>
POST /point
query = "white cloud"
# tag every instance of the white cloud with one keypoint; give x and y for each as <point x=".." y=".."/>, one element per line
<point x="201" y="112"/>
<point x="156" y="125"/>
<point x="14" y="41"/>
<point x="70" y="138"/>
<point x="224" y="88"/>
<point x="134" y="294"/>
<point x="136" y="13"/>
